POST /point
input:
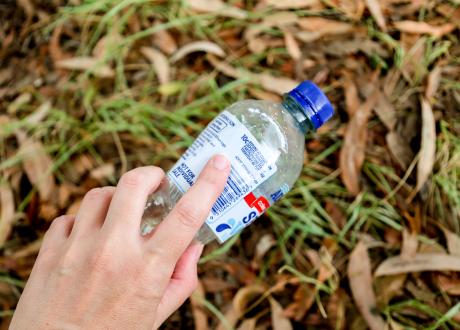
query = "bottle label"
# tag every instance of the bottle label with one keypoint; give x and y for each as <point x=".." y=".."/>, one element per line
<point x="237" y="206"/>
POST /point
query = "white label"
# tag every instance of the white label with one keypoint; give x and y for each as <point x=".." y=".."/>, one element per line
<point x="249" y="168"/>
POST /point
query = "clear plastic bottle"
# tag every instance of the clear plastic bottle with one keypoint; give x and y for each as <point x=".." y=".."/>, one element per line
<point x="265" y="143"/>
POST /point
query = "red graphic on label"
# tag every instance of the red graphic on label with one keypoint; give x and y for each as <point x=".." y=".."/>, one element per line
<point x="261" y="203"/>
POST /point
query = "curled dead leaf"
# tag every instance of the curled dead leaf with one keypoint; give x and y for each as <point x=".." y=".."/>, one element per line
<point x="7" y="212"/>
<point x="354" y="146"/>
<point x="164" y="41"/>
<point x="324" y="26"/>
<point x="453" y="242"/>
<point x="434" y="78"/>
<point x="217" y="7"/>
<point x="197" y="46"/>
<point x="424" y="28"/>
<point x="421" y="262"/>
<point x="375" y="8"/>
<point x="103" y="172"/>
<point x="292" y="4"/>
<point x="428" y="146"/>
<point x="83" y="63"/>
<point x="160" y="63"/>
<point x="199" y="316"/>
<point x="38" y="115"/>
<point x="292" y="46"/>
<point x="279" y="320"/>
<point x="360" y="278"/>
<point x="399" y="149"/>
<point x="37" y="165"/>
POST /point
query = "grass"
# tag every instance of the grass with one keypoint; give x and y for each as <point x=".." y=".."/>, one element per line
<point x="131" y="121"/>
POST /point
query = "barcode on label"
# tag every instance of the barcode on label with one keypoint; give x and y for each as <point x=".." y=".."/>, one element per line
<point x="233" y="191"/>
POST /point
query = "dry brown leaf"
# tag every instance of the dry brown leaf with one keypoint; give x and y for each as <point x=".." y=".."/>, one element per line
<point x="27" y="250"/>
<point x="197" y="46"/>
<point x="37" y="165"/>
<point x="399" y="149"/>
<point x="409" y="245"/>
<point x="249" y="324"/>
<point x="292" y="4"/>
<point x="231" y="318"/>
<point x="279" y="321"/>
<point x="387" y="287"/>
<point x="165" y="42"/>
<point x="395" y="325"/>
<point x="217" y="7"/>
<point x="7" y="212"/>
<point x="424" y="28"/>
<point x="246" y="296"/>
<point x="376" y="11"/>
<point x="38" y="115"/>
<point x="85" y="63"/>
<point x="199" y="316"/>
<point x="160" y="63"/>
<point x="449" y="284"/>
<point x="352" y="8"/>
<point x="453" y="242"/>
<point x="292" y="46"/>
<point x="105" y="171"/>
<point x="352" y="101"/>
<point x="304" y="297"/>
<point x="22" y="99"/>
<point x="386" y="112"/>
<point x="106" y="44"/>
<point x="354" y="146"/>
<point x="422" y="262"/>
<point x="279" y="85"/>
<point x="324" y="26"/>
<point x="265" y="243"/>
<point x="428" y="145"/>
<point x="360" y="278"/>
<point x="434" y="78"/>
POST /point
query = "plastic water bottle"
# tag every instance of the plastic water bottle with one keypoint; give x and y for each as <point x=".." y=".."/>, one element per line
<point x="264" y="142"/>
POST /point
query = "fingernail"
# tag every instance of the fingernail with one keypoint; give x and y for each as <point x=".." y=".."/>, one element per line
<point x="197" y="250"/>
<point x="220" y="162"/>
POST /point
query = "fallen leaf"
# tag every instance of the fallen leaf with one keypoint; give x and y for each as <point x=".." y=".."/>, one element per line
<point x="388" y="287"/>
<point x="376" y="11"/>
<point x="37" y="165"/>
<point x="422" y="262"/>
<point x="86" y="64"/>
<point x="453" y="242"/>
<point x="106" y="45"/>
<point x="434" y="78"/>
<point x="7" y="212"/>
<point x="386" y="112"/>
<point x="292" y="46"/>
<point x="428" y="145"/>
<point x="103" y="172"/>
<point x="304" y="297"/>
<point x="246" y="296"/>
<point x="424" y="28"/>
<point x="249" y="324"/>
<point x="38" y="115"/>
<point x="18" y="102"/>
<point x="231" y="317"/>
<point x="354" y="146"/>
<point x="160" y="63"/>
<point x="279" y="85"/>
<point x="409" y="245"/>
<point x="360" y="278"/>
<point x="165" y="42"/>
<point x="47" y="211"/>
<point x="217" y="7"/>
<point x="197" y="46"/>
<point x="399" y="149"/>
<point x="279" y="321"/>
<point x="27" y="250"/>
<point x="265" y="243"/>
<point x="324" y="26"/>
<point x="352" y="101"/>
<point x="199" y="316"/>
<point x="336" y="310"/>
<point x="352" y="8"/>
<point x="395" y="325"/>
<point x="292" y="4"/>
<point x="448" y="284"/>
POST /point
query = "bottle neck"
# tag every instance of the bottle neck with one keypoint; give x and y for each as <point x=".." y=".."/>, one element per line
<point x="297" y="113"/>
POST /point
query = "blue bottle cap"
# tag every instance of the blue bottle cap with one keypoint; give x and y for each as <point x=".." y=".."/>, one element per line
<point x="314" y="103"/>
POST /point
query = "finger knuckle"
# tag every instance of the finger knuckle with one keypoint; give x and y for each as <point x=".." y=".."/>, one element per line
<point x="189" y="215"/>
<point x="60" y="221"/>
<point x="132" y="178"/>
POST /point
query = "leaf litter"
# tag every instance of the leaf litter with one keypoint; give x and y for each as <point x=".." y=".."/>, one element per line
<point x="73" y="82"/>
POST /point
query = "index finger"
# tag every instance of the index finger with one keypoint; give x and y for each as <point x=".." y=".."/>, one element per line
<point x="174" y="234"/>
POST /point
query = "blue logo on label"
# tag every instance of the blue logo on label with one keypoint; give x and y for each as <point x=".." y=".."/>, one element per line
<point x="224" y="226"/>
<point x="278" y="194"/>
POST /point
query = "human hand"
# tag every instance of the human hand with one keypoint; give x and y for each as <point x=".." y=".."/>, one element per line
<point x="95" y="270"/>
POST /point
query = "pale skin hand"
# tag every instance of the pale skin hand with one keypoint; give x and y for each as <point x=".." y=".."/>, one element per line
<point x="95" y="270"/>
